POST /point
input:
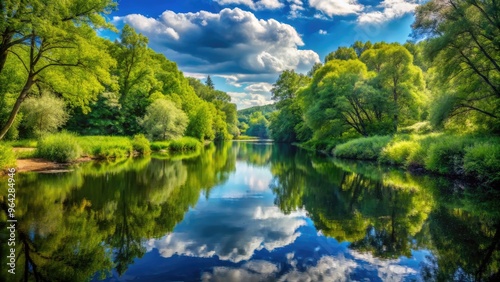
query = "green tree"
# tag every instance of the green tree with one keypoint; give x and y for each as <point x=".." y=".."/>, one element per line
<point x="164" y="121"/>
<point x="342" y="53"/>
<point x="258" y="125"/>
<point x="209" y="82"/>
<point x="56" y="44"/>
<point x="287" y="123"/>
<point x="44" y="114"/>
<point x="463" y="39"/>
<point x="399" y="79"/>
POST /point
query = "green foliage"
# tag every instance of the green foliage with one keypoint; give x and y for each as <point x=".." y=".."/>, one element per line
<point x="184" y="144"/>
<point x="7" y="157"/>
<point x="141" y="144"/>
<point x="368" y="148"/>
<point x="482" y="161"/>
<point x="258" y="125"/>
<point x="106" y="147"/>
<point x="160" y="145"/>
<point x="399" y="152"/>
<point x="201" y="124"/>
<point x="446" y="156"/>
<point x="423" y="127"/>
<point x="462" y="39"/>
<point x="342" y="53"/>
<point x="287" y="124"/>
<point x="163" y="120"/>
<point x="59" y="147"/>
<point x="44" y="114"/>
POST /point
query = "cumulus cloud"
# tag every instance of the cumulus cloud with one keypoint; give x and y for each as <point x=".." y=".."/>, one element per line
<point x="246" y="100"/>
<point x="336" y="7"/>
<point x="259" y="87"/>
<point x="388" y="10"/>
<point x="233" y="234"/>
<point x="322" y="32"/>
<point x="254" y="5"/>
<point x="230" y="42"/>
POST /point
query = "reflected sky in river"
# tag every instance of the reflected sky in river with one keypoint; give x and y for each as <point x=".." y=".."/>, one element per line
<point x="247" y="211"/>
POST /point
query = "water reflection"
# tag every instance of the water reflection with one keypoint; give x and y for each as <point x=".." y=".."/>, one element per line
<point x="250" y="212"/>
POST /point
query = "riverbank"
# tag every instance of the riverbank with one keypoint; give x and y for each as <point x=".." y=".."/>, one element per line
<point x="466" y="156"/>
<point x="58" y="151"/>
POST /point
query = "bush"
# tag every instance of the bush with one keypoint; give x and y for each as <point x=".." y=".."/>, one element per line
<point x="399" y="152"/>
<point x="106" y="147"/>
<point x="482" y="161"/>
<point x="59" y="147"/>
<point x="185" y="144"/>
<point x="160" y="145"/>
<point x="7" y="157"/>
<point x="446" y="156"/>
<point x="363" y="148"/>
<point x="141" y="144"/>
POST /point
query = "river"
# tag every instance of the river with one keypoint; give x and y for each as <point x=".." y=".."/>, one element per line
<point x="251" y="211"/>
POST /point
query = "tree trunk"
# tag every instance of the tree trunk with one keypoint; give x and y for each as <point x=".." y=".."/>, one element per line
<point x="17" y="106"/>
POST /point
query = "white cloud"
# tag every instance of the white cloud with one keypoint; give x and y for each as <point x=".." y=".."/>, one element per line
<point x="322" y="32"/>
<point x="259" y="87"/>
<point x="390" y="9"/>
<point x="296" y="6"/>
<point x="246" y="100"/>
<point x="254" y="5"/>
<point x="259" y="228"/>
<point x="231" y="43"/>
<point x="336" y="7"/>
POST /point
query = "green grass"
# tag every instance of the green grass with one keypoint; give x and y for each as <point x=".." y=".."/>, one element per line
<point x="59" y="147"/>
<point x="363" y="148"/>
<point x="7" y="157"/>
<point x="106" y="147"/>
<point x="26" y="143"/>
<point x="482" y="161"/>
<point x="462" y="155"/>
<point x="184" y="144"/>
<point x="160" y="145"/>
<point x="246" y="137"/>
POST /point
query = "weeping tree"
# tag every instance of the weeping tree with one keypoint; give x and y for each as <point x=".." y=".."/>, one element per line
<point x="463" y="39"/>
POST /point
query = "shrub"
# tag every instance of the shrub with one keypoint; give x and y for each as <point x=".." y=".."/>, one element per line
<point x="106" y="147"/>
<point x="7" y="157"/>
<point x="398" y="152"/>
<point x="141" y="144"/>
<point x="446" y="156"/>
<point x="59" y="147"/>
<point x="362" y="148"/>
<point x="483" y="162"/>
<point x="160" y="145"/>
<point x="185" y="144"/>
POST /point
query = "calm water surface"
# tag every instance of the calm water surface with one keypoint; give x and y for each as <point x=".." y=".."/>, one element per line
<point x="249" y="211"/>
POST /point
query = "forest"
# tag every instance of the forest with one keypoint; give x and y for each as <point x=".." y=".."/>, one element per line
<point x="431" y="103"/>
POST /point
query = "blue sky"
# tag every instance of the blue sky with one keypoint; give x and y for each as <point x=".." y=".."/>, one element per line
<point x="245" y="44"/>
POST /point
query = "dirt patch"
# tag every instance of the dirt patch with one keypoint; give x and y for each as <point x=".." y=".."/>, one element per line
<point x="45" y="166"/>
<point x="39" y="165"/>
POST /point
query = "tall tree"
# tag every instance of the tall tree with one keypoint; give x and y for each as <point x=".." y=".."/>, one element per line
<point x="464" y="36"/>
<point x="209" y="82"/>
<point x="56" y="44"/>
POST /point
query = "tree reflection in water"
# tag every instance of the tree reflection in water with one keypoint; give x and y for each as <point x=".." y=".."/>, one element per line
<point x="81" y="225"/>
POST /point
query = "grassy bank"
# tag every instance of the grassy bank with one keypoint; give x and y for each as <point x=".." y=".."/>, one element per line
<point x="455" y="155"/>
<point x="66" y="147"/>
